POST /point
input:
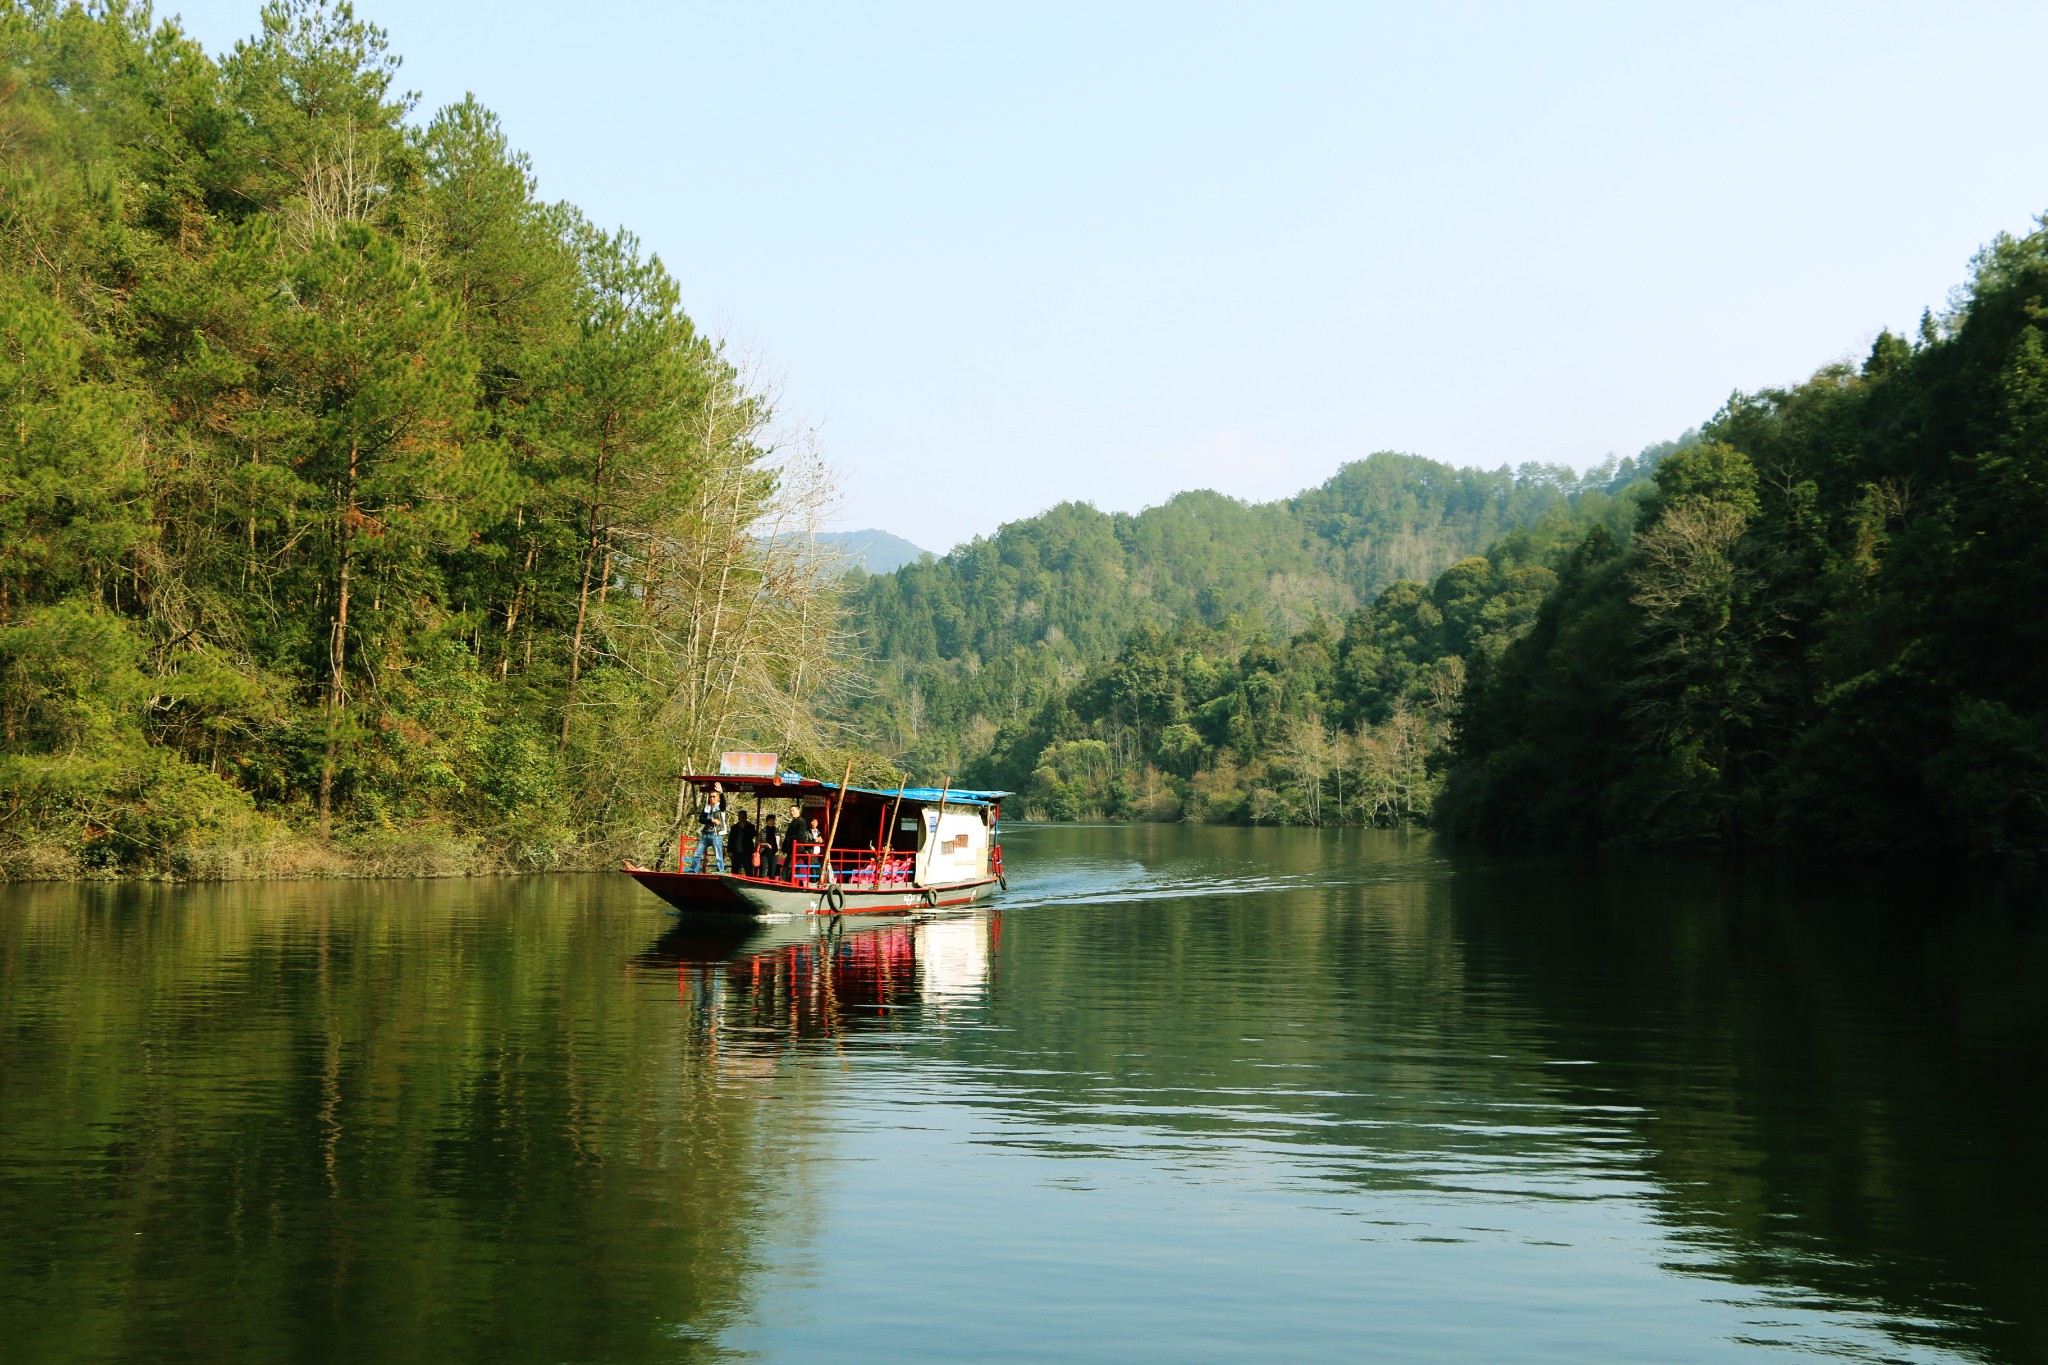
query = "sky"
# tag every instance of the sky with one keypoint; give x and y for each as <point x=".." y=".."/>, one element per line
<point x="1002" y="256"/>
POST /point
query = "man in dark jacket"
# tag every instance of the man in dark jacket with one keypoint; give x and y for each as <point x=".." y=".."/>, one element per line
<point x="797" y="865"/>
<point x="741" y="844"/>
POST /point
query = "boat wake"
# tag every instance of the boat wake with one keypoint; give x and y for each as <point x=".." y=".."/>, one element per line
<point x="1099" y="882"/>
<point x="1109" y="883"/>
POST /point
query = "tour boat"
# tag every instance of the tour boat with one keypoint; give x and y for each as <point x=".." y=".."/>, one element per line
<point x="878" y="852"/>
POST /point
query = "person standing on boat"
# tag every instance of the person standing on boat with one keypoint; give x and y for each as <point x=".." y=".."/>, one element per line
<point x="770" y="849"/>
<point x="710" y="830"/>
<point x="741" y="844"/>
<point x="796" y="831"/>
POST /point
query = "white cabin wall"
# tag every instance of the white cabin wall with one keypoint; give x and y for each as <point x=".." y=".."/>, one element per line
<point x="957" y="850"/>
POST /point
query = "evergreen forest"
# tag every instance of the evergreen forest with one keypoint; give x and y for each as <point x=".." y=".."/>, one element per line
<point x="1826" y="629"/>
<point x="1211" y="659"/>
<point x="357" y="508"/>
<point x="1815" y="623"/>
<point x="360" y="510"/>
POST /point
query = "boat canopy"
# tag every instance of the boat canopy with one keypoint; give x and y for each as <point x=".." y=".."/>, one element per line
<point x="795" y="784"/>
<point x="929" y="796"/>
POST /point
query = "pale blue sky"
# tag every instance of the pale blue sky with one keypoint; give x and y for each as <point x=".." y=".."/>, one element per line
<point x="1007" y="256"/>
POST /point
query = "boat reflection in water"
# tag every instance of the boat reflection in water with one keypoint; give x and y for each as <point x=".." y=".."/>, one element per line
<point x="821" y="980"/>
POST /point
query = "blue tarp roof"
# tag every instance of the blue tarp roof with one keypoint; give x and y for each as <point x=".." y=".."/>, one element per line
<point x="795" y="783"/>
<point x="930" y="795"/>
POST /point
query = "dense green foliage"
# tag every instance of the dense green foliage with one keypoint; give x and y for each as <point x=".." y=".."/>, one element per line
<point x="978" y="660"/>
<point x="352" y="498"/>
<point x="344" y="486"/>
<point x="1334" y="722"/>
<point x="1817" y="624"/>
<point x="1827" y="628"/>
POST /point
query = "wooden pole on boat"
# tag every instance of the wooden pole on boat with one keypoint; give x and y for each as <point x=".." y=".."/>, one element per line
<point x="931" y="849"/>
<point x="888" y="843"/>
<point x="889" y="839"/>
<point x="825" y="863"/>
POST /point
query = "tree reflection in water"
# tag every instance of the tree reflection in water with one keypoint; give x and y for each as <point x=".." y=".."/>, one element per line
<point x="353" y="1121"/>
<point x="1390" y="1092"/>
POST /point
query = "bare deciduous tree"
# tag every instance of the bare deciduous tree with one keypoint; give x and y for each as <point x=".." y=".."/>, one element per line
<point x="728" y="605"/>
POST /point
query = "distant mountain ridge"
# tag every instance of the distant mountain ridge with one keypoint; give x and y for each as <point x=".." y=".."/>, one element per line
<point x="874" y="551"/>
<point x="960" y="645"/>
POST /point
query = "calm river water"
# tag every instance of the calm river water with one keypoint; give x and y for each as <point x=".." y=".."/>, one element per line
<point x="1186" y="1094"/>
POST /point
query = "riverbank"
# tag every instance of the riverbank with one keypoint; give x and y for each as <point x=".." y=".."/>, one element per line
<point x="286" y="856"/>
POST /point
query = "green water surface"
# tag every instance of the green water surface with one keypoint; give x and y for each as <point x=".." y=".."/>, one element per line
<point x="1182" y="1094"/>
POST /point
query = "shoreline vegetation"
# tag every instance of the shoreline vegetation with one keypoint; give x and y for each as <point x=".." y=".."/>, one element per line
<point x="362" y="514"/>
<point x="357" y="508"/>
<point x="288" y="856"/>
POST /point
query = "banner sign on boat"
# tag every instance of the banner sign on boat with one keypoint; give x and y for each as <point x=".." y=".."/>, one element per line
<point x="746" y="765"/>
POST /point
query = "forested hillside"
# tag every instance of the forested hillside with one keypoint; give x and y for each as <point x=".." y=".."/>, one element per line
<point x="359" y="509"/>
<point x="1829" y="628"/>
<point x="351" y="498"/>
<point x="978" y="661"/>
<point x="1817" y="624"/>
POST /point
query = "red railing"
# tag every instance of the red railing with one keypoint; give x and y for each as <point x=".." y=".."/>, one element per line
<point x="850" y="866"/>
<point x="869" y="867"/>
<point x="857" y="867"/>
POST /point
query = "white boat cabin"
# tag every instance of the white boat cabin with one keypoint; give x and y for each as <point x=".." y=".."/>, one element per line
<point x="953" y="846"/>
